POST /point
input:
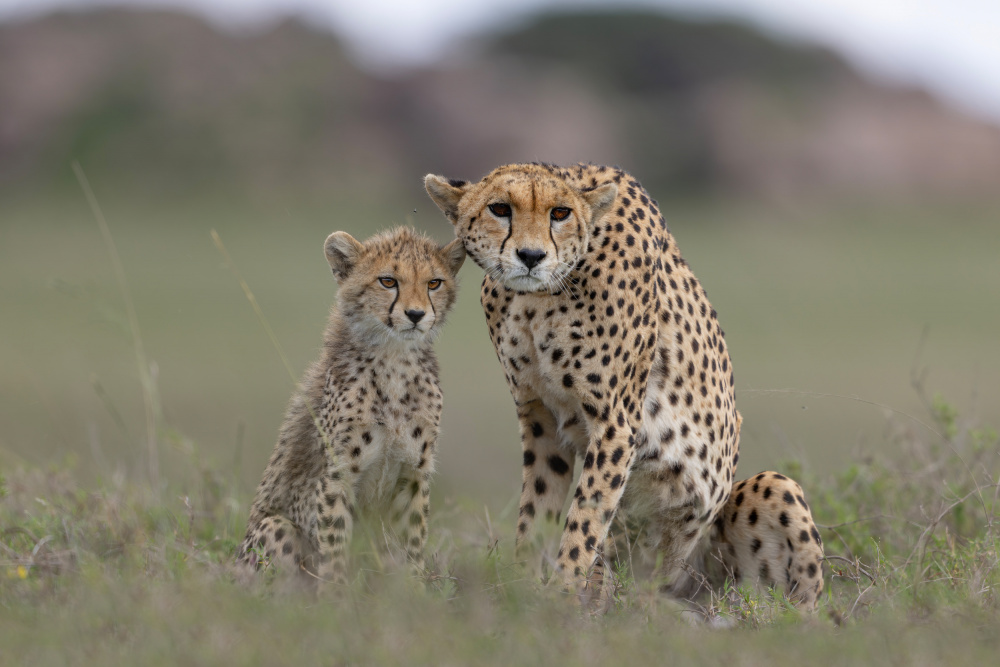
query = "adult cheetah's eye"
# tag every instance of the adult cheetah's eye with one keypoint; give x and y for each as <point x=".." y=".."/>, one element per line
<point x="387" y="282"/>
<point x="500" y="210"/>
<point x="560" y="213"/>
<point x="434" y="284"/>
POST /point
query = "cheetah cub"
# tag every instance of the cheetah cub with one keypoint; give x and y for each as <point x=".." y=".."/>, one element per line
<point x="360" y="431"/>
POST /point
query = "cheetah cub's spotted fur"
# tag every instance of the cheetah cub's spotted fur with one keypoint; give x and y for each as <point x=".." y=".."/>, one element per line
<point x="613" y="355"/>
<point x="361" y="430"/>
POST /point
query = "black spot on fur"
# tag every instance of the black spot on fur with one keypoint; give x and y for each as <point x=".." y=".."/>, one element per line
<point x="558" y="464"/>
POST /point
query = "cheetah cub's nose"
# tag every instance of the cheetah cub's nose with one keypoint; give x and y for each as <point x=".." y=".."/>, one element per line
<point x="531" y="257"/>
<point x="415" y="315"/>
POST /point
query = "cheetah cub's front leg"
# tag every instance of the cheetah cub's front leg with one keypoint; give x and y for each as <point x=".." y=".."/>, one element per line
<point x="361" y="431"/>
<point x="766" y="535"/>
<point x="335" y="517"/>
<point x="411" y="509"/>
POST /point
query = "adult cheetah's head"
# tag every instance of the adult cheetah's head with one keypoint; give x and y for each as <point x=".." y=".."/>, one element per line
<point x="396" y="286"/>
<point x="523" y="224"/>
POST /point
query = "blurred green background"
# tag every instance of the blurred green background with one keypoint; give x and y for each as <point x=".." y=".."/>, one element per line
<point x="848" y="233"/>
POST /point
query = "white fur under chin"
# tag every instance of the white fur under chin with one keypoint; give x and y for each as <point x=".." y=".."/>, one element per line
<point x="525" y="283"/>
<point x="375" y="333"/>
<point x="410" y="334"/>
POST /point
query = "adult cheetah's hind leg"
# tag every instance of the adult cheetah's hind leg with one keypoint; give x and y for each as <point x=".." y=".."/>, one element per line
<point x="766" y="534"/>
<point x="278" y="545"/>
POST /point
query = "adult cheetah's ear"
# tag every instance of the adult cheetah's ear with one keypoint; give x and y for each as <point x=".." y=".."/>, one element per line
<point x="446" y="193"/>
<point x="453" y="255"/>
<point x="342" y="252"/>
<point x="600" y="200"/>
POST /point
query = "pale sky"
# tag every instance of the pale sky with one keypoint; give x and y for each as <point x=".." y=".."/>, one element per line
<point x="951" y="47"/>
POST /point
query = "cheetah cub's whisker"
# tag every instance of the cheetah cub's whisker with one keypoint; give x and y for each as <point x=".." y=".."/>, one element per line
<point x="361" y="429"/>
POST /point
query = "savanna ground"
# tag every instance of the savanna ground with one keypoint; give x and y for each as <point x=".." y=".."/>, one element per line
<point x="877" y="323"/>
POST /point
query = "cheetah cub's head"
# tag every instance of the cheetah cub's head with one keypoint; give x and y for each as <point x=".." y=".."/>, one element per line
<point x="396" y="286"/>
<point x="524" y="225"/>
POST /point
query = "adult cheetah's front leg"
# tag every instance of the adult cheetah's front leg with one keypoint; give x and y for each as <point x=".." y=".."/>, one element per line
<point x="606" y="468"/>
<point x="547" y="471"/>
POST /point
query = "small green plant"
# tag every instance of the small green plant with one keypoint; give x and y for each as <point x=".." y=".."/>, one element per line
<point x="945" y="415"/>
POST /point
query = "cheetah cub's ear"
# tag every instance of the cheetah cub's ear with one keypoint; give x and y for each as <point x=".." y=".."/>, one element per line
<point x="453" y="256"/>
<point x="342" y="252"/>
<point x="600" y="200"/>
<point x="446" y="193"/>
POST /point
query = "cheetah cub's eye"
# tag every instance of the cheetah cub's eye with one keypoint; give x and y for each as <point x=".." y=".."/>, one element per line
<point x="499" y="210"/>
<point x="434" y="284"/>
<point x="560" y="213"/>
<point x="387" y="282"/>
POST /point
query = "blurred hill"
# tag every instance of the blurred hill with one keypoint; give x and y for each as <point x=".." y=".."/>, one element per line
<point x="164" y="103"/>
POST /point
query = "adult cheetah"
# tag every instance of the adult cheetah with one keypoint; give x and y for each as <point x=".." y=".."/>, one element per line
<point x="612" y="353"/>
<point x="362" y="428"/>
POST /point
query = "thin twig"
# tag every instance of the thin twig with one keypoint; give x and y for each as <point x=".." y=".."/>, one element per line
<point x="855" y="605"/>
<point x="850" y="523"/>
<point x="921" y="544"/>
<point x="820" y="394"/>
<point x="133" y="321"/>
<point x="946" y="440"/>
<point x="231" y="265"/>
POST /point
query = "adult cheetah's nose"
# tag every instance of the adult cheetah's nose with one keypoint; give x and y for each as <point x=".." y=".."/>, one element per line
<point x="531" y="257"/>
<point x="415" y="315"/>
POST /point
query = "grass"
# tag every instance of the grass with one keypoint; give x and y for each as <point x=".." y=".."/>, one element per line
<point x="100" y="562"/>
<point x="110" y="574"/>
